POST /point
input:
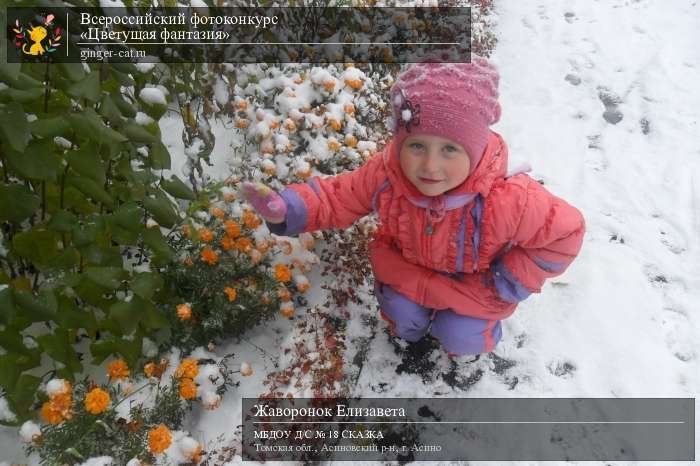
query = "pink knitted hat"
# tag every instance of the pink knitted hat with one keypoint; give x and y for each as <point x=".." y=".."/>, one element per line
<point x="458" y="101"/>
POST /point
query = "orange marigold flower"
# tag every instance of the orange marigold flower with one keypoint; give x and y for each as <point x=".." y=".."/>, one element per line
<point x="251" y="220"/>
<point x="233" y="229"/>
<point x="96" y="401"/>
<point x="205" y="234"/>
<point x="149" y="369"/>
<point x="230" y="197"/>
<point x="63" y="403"/>
<point x="231" y="293"/>
<point x="159" y="439"/>
<point x="184" y="311"/>
<point x="155" y="370"/>
<point x="188" y="261"/>
<point x="188" y="368"/>
<point x="196" y="455"/>
<point x="283" y="294"/>
<point x="227" y="243"/>
<point x="243" y="244"/>
<point x="118" y="370"/>
<point x="255" y="256"/>
<point x="218" y="213"/>
<point x="188" y="389"/>
<point x="209" y="256"/>
<point x="282" y="273"/>
<point x="51" y="414"/>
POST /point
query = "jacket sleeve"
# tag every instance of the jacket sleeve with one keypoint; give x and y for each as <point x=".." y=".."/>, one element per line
<point x="471" y="294"/>
<point x="331" y="202"/>
<point x="548" y="237"/>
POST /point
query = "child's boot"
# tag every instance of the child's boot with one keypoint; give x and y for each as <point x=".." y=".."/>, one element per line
<point x="463" y="371"/>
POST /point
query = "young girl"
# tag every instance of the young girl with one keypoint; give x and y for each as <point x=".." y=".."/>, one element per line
<point x="460" y="243"/>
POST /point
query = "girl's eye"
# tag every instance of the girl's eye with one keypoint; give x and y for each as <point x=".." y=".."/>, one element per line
<point x="417" y="145"/>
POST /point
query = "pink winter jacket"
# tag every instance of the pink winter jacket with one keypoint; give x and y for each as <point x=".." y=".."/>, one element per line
<point x="478" y="249"/>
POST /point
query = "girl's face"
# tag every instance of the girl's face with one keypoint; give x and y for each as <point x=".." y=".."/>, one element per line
<point x="433" y="164"/>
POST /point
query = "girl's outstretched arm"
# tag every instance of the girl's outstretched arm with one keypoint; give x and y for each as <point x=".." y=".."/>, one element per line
<point x="330" y="202"/>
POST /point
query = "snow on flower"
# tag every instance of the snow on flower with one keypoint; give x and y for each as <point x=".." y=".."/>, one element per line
<point x="6" y="413"/>
<point x="29" y="431"/>
<point x="246" y="370"/>
<point x="406" y="115"/>
<point x="56" y="387"/>
<point x="143" y="119"/>
<point x="153" y="95"/>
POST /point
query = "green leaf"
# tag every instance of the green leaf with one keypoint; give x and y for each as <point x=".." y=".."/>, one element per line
<point x="109" y="256"/>
<point x="127" y="314"/>
<point x="9" y="371"/>
<point x="91" y="292"/>
<point x="64" y="260"/>
<point x="88" y="124"/>
<point x="155" y="240"/>
<point x="37" y="162"/>
<point x="152" y="318"/>
<point x="11" y="341"/>
<point x="137" y="133"/>
<point x="9" y="71"/>
<point x="129" y="216"/>
<point x="60" y="348"/>
<point x="87" y="161"/>
<point x="85" y="234"/>
<point x="159" y="156"/>
<point x="8" y="306"/>
<point x="70" y="316"/>
<point x="39" y="308"/>
<point x="22" y="397"/>
<point x="125" y="107"/>
<point x="49" y="127"/>
<point x="37" y="244"/>
<point x="88" y="88"/>
<point x="91" y="189"/>
<point x="17" y="202"/>
<point x="13" y="126"/>
<point x="21" y="96"/>
<point x="161" y="209"/>
<point x="73" y="71"/>
<point x="130" y="350"/>
<point x="146" y="284"/>
<point x="108" y="277"/>
<point x="63" y="221"/>
<point x="176" y="188"/>
<point x="109" y="110"/>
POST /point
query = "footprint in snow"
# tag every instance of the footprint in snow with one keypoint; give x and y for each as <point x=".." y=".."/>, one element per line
<point x="573" y="79"/>
<point x="611" y="101"/>
<point x="563" y="369"/>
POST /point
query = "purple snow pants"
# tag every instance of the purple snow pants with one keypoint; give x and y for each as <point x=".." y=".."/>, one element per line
<point x="457" y="333"/>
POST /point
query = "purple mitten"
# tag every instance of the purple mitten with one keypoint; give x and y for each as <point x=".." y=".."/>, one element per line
<point x="267" y="203"/>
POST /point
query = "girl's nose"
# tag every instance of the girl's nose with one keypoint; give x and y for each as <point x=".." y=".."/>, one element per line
<point x="431" y="163"/>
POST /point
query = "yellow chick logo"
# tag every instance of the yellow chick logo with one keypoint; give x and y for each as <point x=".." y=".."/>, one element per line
<point x="30" y="40"/>
<point x="36" y="35"/>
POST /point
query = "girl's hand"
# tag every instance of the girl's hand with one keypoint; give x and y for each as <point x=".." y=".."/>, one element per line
<point x="266" y="202"/>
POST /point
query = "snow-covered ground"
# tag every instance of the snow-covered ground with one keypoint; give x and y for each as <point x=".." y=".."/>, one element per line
<point x="599" y="97"/>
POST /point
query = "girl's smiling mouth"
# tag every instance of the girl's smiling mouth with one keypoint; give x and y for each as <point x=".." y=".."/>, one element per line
<point x="427" y="180"/>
